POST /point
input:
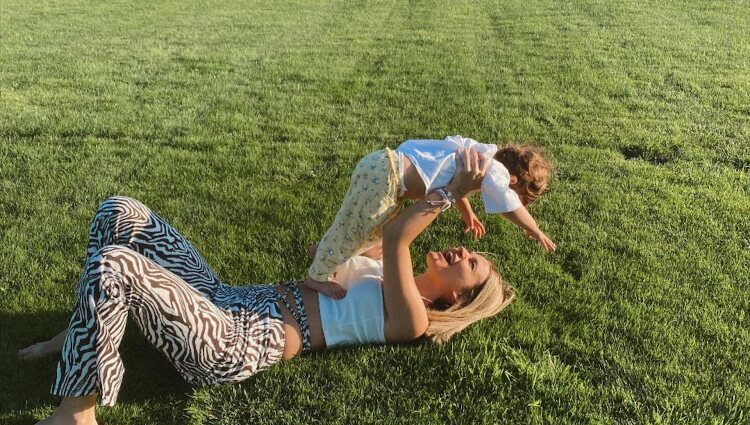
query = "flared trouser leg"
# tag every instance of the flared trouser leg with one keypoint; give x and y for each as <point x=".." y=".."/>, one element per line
<point x="126" y="222"/>
<point x="175" y="317"/>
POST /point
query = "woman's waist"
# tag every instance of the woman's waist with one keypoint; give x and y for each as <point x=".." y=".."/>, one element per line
<point x="298" y="321"/>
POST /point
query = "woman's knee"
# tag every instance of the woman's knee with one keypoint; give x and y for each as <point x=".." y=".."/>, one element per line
<point x="123" y="210"/>
<point x="121" y="204"/>
<point x="114" y="254"/>
<point x="109" y="261"/>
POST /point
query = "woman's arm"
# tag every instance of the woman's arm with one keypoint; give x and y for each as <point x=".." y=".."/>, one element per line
<point x="406" y="316"/>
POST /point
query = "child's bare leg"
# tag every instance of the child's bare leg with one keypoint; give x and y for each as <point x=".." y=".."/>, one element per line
<point x="73" y="411"/>
<point x="329" y="288"/>
<point x="44" y="348"/>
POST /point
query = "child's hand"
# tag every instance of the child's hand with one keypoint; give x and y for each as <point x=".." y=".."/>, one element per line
<point x="473" y="224"/>
<point x="328" y="288"/>
<point x="470" y="219"/>
<point x="546" y="242"/>
<point x="376" y="252"/>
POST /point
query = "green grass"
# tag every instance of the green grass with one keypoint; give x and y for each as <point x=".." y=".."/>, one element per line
<point x="240" y="122"/>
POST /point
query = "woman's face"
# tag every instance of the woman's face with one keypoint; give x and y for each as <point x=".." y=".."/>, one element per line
<point x="458" y="270"/>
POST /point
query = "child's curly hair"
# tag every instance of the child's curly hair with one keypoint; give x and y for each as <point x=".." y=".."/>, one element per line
<point x="528" y="164"/>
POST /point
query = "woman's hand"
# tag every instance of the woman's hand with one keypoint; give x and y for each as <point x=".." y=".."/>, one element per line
<point x="470" y="170"/>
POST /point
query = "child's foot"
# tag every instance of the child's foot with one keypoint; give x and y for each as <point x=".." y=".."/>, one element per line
<point x="311" y="250"/>
<point x="329" y="288"/>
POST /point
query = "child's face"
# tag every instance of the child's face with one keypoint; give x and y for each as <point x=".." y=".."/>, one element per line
<point x="513" y="184"/>
<point x="457" y="270"/>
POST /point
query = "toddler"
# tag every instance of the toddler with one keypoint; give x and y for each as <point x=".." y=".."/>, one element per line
<point x="383" y="179"/>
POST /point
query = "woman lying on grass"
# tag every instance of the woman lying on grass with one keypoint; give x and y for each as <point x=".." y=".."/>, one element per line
<point x="214" y="333"/>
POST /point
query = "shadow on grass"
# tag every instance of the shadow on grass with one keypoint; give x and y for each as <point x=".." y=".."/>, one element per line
<point x="25" y="385"/>
<point x="19" y="419"/>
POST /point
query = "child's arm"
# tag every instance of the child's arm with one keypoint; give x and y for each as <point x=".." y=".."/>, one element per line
<point x="470" y="219"/>
<point x="521" y="218"/>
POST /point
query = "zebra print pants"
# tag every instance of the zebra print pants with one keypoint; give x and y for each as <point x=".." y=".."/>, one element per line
<point x="138" y="264"/>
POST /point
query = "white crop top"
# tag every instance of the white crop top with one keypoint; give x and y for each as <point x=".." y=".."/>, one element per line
<point x="359" y="317"/>
<point x="435" y="161"/>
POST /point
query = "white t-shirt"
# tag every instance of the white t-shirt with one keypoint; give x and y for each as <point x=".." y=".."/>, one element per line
<point x="435" y="161"/>
<point x="359" y="317"/>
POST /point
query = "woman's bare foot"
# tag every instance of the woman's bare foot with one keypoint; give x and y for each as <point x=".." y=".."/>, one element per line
<point x="329" y="288"/>
<point x="36" y="351"/>
<point x="44" y="348"/>
<point x="59" y="419"/>
<point x="73" y="411"/>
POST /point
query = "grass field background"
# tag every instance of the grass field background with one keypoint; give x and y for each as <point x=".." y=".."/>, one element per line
<point x="240" y="122"/>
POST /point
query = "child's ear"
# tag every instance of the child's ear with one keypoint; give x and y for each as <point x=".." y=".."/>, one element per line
<point x="513" y="180"/>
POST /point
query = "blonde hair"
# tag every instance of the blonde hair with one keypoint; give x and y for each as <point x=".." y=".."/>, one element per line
<point x="486" y="300"/>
